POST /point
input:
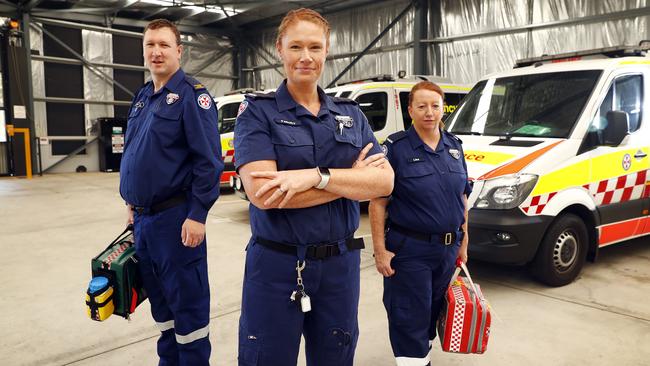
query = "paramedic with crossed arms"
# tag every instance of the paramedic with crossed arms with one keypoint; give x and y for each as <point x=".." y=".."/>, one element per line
<point x="302" y="158"/>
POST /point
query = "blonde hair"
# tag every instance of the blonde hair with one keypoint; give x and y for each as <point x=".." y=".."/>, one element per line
<point x="308" y="15"/>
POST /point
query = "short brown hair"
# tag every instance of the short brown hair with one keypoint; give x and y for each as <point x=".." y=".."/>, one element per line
<point x="426" y="85"/>
<point x="164" y="23"/>
<point x="307" y="15"/>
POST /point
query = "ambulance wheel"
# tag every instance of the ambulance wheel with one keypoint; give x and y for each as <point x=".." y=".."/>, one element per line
<point x="562" y="253"/>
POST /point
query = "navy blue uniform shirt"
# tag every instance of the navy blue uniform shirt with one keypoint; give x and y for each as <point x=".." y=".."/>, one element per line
<point x="429" y="184"/>
<point x="275" y="127"/>
<point x="172" y="144"/>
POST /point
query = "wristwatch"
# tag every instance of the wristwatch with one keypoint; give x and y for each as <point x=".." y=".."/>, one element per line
<point x="324" y="177"/>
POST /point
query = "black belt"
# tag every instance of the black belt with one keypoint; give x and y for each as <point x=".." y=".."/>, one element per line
<point x="314" y="252"/>
<point x="445" y="238"/>
<point x="162" y="206"/>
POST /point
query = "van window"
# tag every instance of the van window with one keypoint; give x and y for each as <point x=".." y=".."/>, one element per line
<point x="345" y="94"/>
<point x="452" y="100"/>
<point x="331" y="94"/>
<point x="625" y="94"/>
<point x="629" y="98"/>
<point x="227" y="117"/>
<point x="536" y="105"/>
<point x="374" y="106"/>
<point x="404" y="104"/>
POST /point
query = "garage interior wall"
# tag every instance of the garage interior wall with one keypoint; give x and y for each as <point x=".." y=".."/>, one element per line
<point x="467" y="60"/>
<point x="207" y="54"/>
<point x="351" y="31"/>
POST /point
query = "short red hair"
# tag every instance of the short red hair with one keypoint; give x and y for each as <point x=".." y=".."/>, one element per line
<point x="164" y="23"/>
<point x="308" y="15"/>
<point x="426" y="85"/>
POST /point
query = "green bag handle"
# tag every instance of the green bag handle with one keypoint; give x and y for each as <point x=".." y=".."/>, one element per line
<point x="129" y="230"/>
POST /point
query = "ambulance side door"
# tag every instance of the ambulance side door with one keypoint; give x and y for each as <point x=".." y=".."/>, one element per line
<point x="618" y="173"/>
<point x="379" y="107"/>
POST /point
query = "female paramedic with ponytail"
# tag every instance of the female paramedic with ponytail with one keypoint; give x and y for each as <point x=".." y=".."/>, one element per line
<point x="417" y="245"/>
<point x="302" y="158"/>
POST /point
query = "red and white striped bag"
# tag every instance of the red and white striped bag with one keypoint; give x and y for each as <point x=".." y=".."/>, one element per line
<point x="464" y="321"/>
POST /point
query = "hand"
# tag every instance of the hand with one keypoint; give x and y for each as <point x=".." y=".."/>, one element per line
<point x="287" y="183"/>
<point x="192" y="233"/>
<point x="382" y="262"/>
<point x="462" y="252"/>
<point x="377" y="160"/>
<point x="129" y="215"/>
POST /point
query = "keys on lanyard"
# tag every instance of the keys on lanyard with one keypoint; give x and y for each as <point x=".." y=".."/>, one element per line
<point x="299" y="295"/>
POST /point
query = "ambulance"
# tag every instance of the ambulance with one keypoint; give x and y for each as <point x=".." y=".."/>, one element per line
<point x="384" y="101"/>
<point x="228" y="105"/>
<point x="557" y="149"/>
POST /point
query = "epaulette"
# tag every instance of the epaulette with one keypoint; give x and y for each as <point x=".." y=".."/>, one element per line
<point x="343" y="100"/>
<point x="260" y="95"/>
<point x="196" y="85"/>
<point x="453" y="136"/>
<point x="392" y="138"/>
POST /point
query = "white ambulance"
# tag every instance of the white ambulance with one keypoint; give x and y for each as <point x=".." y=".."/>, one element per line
<point x="384" y="101"/>
<point x="558" y="152"/>
<point x="228" y="106"/>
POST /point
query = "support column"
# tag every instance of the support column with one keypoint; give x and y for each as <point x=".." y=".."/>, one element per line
<point x="420" y="32"/>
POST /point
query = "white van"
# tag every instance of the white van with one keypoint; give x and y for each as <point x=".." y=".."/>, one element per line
<point x="557" y="149"/>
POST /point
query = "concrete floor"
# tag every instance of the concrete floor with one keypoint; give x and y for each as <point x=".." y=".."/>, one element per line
<point x="53" y="225"/>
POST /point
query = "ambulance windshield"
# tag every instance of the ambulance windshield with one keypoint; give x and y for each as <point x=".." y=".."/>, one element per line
<point x="537" y="105"/>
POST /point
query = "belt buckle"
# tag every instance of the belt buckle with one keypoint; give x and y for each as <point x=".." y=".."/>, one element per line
<point x="448" y="238"/>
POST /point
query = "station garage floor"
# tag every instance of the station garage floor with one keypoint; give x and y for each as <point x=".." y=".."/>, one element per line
<point x="51" y="226"/>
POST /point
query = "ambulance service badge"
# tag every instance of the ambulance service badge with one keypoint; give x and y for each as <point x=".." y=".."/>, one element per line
<point x="172" y="98"/>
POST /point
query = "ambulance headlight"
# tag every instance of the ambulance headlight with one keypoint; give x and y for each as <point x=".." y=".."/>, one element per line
<point x="505" y="192"/>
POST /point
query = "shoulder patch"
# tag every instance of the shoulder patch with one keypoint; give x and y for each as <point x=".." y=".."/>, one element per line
<point x="392" y="138"/>
<point x="343" y="100"/>
<point x="199" y="86"/>
<point x="242" y="107"/>
<point x="204" y="101"/>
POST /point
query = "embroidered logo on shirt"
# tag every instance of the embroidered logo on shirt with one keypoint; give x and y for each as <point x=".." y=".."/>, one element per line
<point x="199" y="86"/>
<point x="454" y="153"/>
<point x="204" y="101"/>
<point x="242" y="107"/>
<point x="139" y="104"/>
<point x="384" y="149"/>
<point x="346" y="121"/>
<point x="172" y="98"/>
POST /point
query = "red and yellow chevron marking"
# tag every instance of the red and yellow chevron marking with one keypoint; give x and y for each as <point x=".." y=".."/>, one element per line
<point x="516" y="166"/>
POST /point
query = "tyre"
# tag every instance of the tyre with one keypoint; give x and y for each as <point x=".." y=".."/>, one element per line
<point x="562" y="252"/>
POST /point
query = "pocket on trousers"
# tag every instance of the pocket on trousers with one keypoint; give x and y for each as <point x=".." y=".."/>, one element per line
<point x="195" y="275"/>
<point x="394" y="243"/>
<point x="401" y="311"/>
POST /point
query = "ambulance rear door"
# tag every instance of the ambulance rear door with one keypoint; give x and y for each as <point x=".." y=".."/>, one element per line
<point x="618" y="174"/>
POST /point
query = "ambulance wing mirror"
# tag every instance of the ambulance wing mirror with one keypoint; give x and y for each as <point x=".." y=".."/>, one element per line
<point x="616" y="129"/>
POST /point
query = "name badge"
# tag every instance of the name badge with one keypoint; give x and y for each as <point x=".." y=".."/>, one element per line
<point x="415" y="160"/>
<point x="286" y="122"/>
<point x="345" y="121"/>
<point x="139" y="104"/>
<point x="454" y="153"/>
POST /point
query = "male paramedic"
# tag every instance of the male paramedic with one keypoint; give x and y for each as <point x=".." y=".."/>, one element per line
<point x="169" y="178"/>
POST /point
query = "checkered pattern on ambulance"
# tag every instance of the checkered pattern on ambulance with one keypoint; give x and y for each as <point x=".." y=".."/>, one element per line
<point x="229" y="156"/>
<point x="604" y="192"/>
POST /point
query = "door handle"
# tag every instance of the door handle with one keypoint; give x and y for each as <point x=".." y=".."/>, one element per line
<point x="640" y="154"/>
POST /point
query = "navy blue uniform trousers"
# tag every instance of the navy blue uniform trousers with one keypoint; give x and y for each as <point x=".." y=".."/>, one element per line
<point x="176" y="280"/>
<point x="413" y="295"/>
<point x="271" y="324"/>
